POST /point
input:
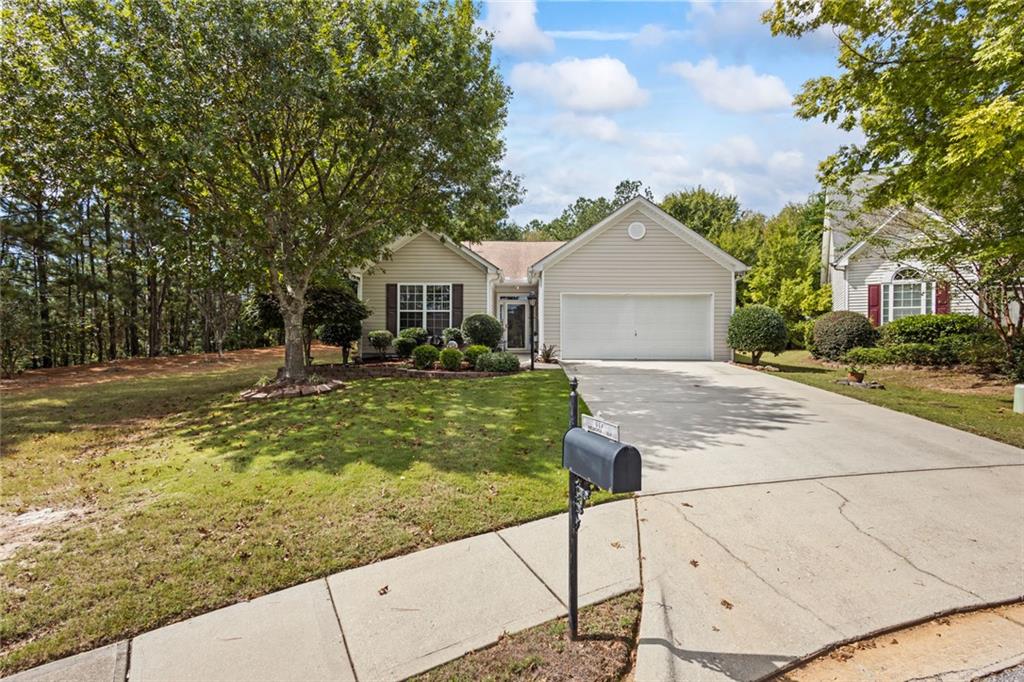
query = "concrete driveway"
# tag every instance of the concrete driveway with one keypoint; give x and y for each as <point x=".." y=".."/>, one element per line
<point x="778" y="519"/>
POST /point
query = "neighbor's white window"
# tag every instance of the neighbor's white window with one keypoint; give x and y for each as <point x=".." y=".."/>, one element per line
<point x="425" y="305"/>
<point x="908" y="294"/>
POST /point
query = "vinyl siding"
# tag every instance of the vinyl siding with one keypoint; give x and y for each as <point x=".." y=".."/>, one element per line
<point x="661" y="262"/>
<point x="868" y="268"/>
<point x="424" y="260"/>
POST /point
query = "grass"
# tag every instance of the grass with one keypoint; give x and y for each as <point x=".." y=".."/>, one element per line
<point x="608" y="633"/>
<point x="953" y="397"/>
<point x="190" y="500"/>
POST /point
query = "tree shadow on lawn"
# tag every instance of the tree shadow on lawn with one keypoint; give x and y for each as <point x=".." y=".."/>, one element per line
<point x="503" y="425"/>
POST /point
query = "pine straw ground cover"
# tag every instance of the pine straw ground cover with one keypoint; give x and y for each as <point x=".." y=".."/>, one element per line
<point x="604" y="651"/>
<point x="168" y="497"/>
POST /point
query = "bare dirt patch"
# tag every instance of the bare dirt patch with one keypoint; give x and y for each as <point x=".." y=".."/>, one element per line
<point x="27" y="528"/>
<point x="604" y="650"/>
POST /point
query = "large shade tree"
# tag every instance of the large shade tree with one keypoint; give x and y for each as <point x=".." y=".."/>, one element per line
<point x="311" y="134"/>
<point x="937" y="89"/>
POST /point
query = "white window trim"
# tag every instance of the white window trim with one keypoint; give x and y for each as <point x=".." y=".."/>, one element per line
<point x="423" y="288"/>
<point x="889" y="288"/>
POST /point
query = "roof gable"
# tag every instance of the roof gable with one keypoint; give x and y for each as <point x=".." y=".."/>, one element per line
<point x="467" y="253"/>
<point x="658" y="216"/>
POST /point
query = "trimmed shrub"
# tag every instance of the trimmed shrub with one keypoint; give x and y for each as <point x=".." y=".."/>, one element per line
<point x="404" y="346"/>
<point x="1013" y="365"/>
<point x="453" y="334"/>
<point x="755" y="329"/>
<point x="482" y="330"/>
<point x="838" y="332"/>
<point x="916" y="354"/>
<point x="381" y="340"/>
<point x="451" y="359"/>
<point x="929" y="328"/>
<point x="868" y="356"/>
<point x="497" y="362"/>
<point x="424" y="357"/>
<point x="472" y="353"/>
<point x="420" y="334"/>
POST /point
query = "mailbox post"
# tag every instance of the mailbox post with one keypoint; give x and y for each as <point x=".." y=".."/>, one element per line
<point x="593" y="462"/>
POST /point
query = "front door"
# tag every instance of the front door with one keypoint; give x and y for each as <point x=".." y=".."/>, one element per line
<point x="515" y="326"/>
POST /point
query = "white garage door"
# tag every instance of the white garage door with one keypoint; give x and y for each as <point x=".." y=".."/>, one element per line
<point x="636" y="327"/>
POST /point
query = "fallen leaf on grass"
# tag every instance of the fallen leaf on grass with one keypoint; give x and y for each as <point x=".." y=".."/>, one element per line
<point x="727" y="604"/>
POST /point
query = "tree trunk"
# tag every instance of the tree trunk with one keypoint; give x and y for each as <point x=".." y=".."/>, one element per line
<point x="294" y="342"/>
<point x="43" y="289"/>
<point x="97" y="318"/>
<point x="755" y="357"/>
<point x="133" y="303"/>
<point x="109" y="259"/>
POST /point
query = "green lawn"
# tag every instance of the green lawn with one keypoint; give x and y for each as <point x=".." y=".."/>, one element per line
<point x="953" y="397"/>
<point x="193" y="500"/>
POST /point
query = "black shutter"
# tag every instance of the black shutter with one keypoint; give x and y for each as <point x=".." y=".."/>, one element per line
<point x="456" y="305"/>
<point x="391" y="315"/>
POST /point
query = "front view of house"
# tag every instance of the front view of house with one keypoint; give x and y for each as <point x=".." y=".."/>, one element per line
<point x="637" y="285"/>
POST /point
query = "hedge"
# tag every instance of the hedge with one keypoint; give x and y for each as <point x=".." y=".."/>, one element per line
<point x="404" y="346"/>
<point x="929" y="328"/>
<point x="451" y="359"/>
<point x="420" y="334"/>
<point x="838" y="332"/>
<point x="482" y="330"/>
<point x="471" y="354"/>
<point x="424" y="357"/>
<point x="497" y="362"/>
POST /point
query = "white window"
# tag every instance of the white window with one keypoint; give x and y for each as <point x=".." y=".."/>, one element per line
<point x="425" y="305"/>
<point x="908" y="294"/>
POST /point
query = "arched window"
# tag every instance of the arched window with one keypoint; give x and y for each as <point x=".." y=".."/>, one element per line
<point x="908" y="294"/>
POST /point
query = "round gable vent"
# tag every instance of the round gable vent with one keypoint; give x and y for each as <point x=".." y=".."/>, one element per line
<point x="636" y="230"/>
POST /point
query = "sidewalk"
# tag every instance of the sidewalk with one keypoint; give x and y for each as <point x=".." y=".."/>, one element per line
<point x="383" y="621"/>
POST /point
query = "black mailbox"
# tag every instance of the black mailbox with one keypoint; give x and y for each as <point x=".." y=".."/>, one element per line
<point x="606" y="463"/>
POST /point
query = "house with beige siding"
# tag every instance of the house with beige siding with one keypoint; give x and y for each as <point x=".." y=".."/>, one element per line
<point x="636" y="285"/>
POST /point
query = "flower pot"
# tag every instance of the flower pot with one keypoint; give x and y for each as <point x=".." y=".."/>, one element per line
<point x="856" y="377"/>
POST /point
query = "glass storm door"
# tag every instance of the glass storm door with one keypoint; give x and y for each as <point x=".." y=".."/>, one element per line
<point x="515" y="325"/>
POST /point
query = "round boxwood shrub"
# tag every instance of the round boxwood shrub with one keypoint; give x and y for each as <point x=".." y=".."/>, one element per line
<point x="929" y="328"/>
<point x="482" y="330"/>
<point x="381" y="340"/>
<point x="497" y="362"/>
<point x="404" y="346"/>
<point x="424" y="357"/>
<point x="451" y="359"/>
<point x="755" y="329"/>
<point x="453" y="334"/>
<point x="420" y="334"/>
<point x="472" y="353"/>
<point x="838" y="332"/>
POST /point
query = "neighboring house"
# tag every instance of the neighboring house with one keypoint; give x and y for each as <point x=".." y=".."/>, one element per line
<point x="637" y="285"/>
<point x="864" y="275"/>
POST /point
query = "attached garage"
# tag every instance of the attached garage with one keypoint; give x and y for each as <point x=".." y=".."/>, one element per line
<point x="639" y="285"/>
<point x="638" y="326"/>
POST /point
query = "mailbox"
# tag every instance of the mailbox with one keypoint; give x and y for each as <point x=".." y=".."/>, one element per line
<point x="605" y="463"/>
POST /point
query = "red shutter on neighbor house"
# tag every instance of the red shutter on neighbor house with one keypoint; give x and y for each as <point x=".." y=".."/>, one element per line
<point x="456" y="305"/>
<point x="941" y="298"/>
<point x="391" y="314"/>
<point x="875" y="303"/>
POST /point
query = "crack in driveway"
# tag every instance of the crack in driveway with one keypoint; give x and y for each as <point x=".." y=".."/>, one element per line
<point x="883" y="543"/>
<point x="750" y="568"/>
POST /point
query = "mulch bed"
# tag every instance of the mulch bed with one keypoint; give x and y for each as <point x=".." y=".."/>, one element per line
<point x="395" y="369"/>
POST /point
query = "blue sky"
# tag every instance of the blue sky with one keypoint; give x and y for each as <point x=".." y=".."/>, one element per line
<point x="675" y="94"/>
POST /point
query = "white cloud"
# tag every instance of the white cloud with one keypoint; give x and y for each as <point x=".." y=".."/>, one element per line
<point x="653" y="35"/>
<point x="786" y="162"/>
<point x="734" y="88"/>
<point x="598" y="127"/>
<point x="515" y="29"/>
<point x="735" y="151"/>
<point x="599" y="84"/>
<point x="737" y="25"/>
